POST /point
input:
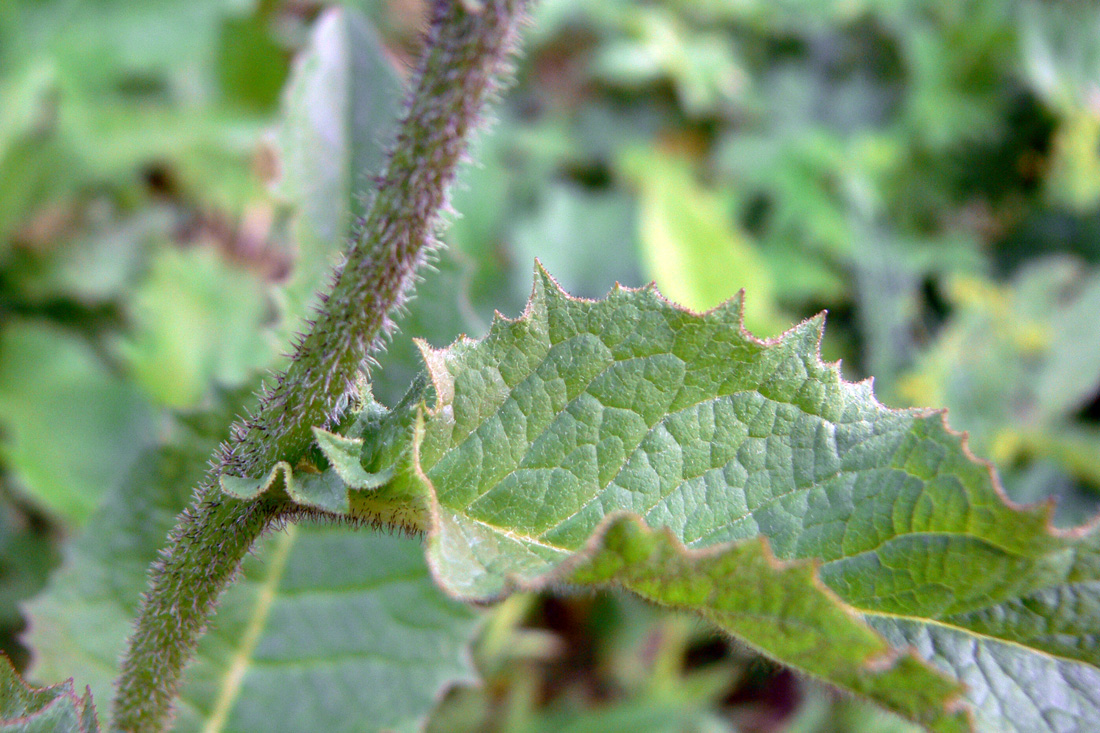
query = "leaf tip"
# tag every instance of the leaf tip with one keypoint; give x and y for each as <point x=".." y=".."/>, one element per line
<point x="435" y="361"/>
<point x="805" y="336"/>
<point x="731" y="311"/>
<point x="546" y="287"/>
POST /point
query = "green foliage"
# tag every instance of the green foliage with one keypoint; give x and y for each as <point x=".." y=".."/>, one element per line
<point x="289" y="623"/>
<point x="196" y="321"/>
<point x="84" y="616"/>
<point x="1015" y="366"/>
<point x="258" y="647"/>
<point x="543" y="434"/>
<point x="66" y="415"/>
<point x="690" y="249"/>
<point x="925" y="170"/>
<point x="115" y="137"/>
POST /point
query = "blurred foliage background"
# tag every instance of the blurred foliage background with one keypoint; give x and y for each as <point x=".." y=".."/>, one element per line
<point x="175" y="181"/>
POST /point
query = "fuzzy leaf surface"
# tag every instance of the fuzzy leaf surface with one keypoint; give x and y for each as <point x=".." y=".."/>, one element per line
<point x="542" y="454"/>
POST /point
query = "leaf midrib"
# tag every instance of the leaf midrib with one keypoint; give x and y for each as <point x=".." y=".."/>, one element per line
<point x="241" y="660"/>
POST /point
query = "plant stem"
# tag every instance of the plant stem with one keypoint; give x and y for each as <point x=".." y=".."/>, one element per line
<point x="465" y="58"/>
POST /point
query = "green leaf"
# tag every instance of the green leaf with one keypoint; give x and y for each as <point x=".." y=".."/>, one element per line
<point x="83" y="617"/>
<point x="53" y="709"/>
<point x="553" y="443"/>
<point x="306" y="643"/>
<point x="340" y="108"/>
<point x="72" y="428"/>
<point x="301" y="642"/>
<point x="778" y="607"/>
<point x="197" y="321"/>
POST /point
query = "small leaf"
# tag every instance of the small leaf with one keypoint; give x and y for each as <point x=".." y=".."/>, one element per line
<point x="249" y="488"/>
<point x="324" y="491"/>
<point x="53" y="709"/>
<point x="343" y="455"/>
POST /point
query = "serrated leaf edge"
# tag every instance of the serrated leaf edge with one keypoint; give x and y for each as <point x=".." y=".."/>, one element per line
<point x="435" y="360"/>
<point x="65" y="692"/>
<point x="810" y="331"/>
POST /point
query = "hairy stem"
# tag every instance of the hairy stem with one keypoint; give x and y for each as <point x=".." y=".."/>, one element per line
<point x="465" y="58"/>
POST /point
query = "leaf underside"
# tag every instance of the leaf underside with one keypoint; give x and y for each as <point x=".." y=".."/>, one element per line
<point x="544" y="453"/>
